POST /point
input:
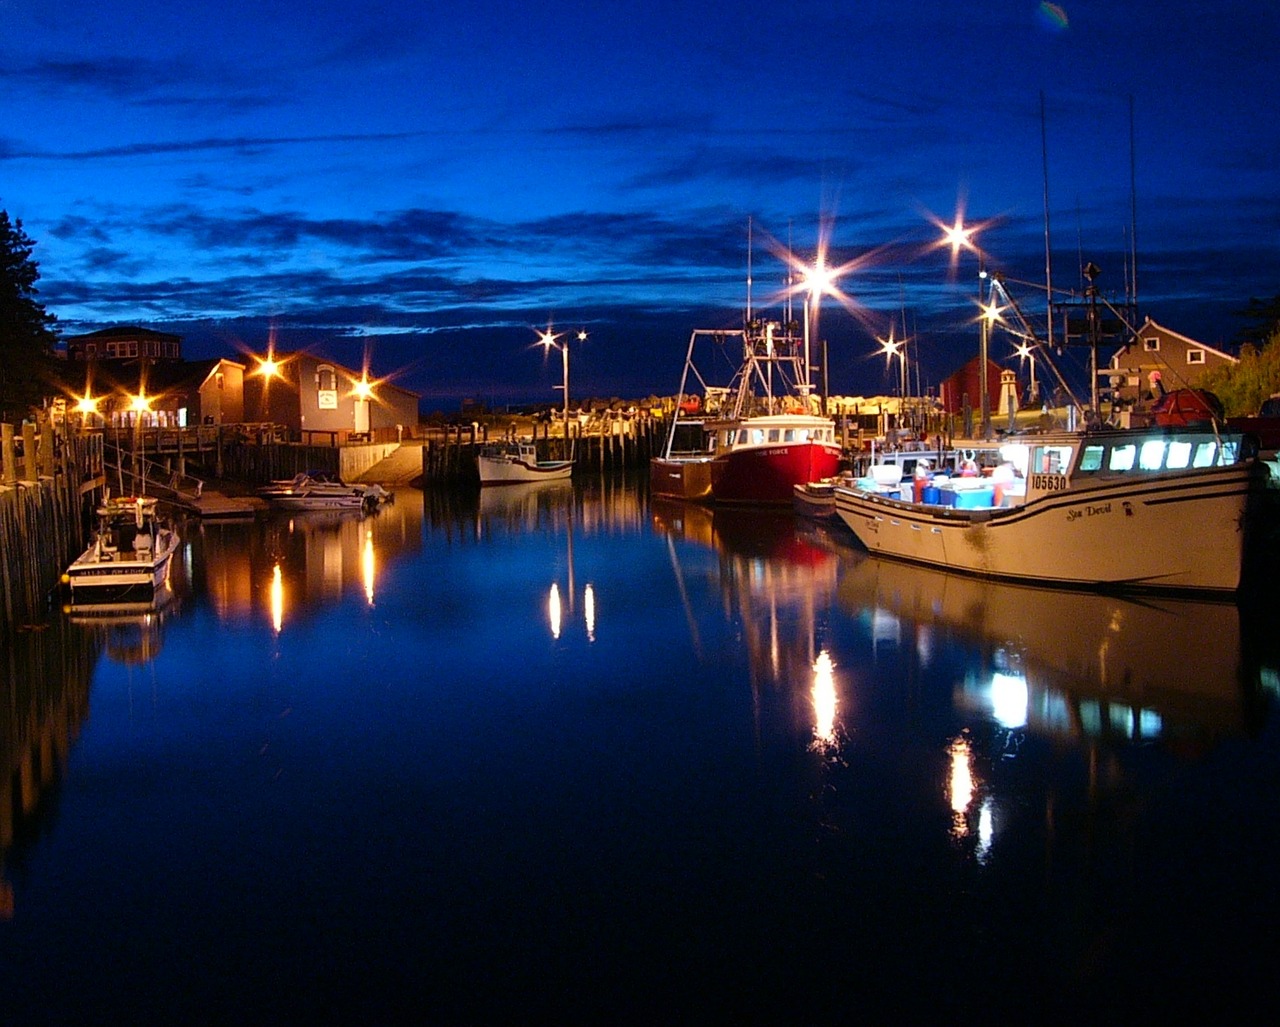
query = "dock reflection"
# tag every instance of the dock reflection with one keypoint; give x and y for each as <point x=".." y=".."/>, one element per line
<point x="285" y="565"/>
<point x="44" y="680"/>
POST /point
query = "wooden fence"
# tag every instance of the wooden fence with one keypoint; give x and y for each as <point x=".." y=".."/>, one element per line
<point x="48" y="480"/>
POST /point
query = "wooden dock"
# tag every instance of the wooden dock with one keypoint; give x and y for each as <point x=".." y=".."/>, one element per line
<point x="211" y="505"/>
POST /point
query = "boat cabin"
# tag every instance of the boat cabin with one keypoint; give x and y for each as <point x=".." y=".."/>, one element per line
<point x="1041" y="465"/>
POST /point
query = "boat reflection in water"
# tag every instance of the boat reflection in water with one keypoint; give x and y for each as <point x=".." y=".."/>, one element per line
<point x="776" y="584"/>
<point x="1066" y="663"/>
<point x="128" y="633"/>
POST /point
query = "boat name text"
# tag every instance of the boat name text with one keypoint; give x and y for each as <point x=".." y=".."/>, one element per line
<point x="1089" y="511"/>
<point x="1049" y="482"/>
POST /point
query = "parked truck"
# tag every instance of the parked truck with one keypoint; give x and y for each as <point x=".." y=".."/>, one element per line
<point x="1263" y="427"/>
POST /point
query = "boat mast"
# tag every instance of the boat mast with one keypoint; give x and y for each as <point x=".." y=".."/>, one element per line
<point x="1048" y="260"/>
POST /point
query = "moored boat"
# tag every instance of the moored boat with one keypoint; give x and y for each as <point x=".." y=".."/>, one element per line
<point x="129" y="556"/>
<point x="1154" y="509"/>
<point x="505" y="463"/>
<point x="321" y="490"/>
<point x="761" y="434"/>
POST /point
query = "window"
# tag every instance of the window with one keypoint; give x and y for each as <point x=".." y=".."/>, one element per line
<point x="1205" y="453"/>
<point x="1152" y="456"/>
<point x="1091" y="458"/>
<point x="789" y="435"/>
<point x="773" y="434"/>
<point x="1195" y="356"/>
<point x="1122" y="458"/>
<point x="1151" y="345"/>
<point x="1179" y="455"/>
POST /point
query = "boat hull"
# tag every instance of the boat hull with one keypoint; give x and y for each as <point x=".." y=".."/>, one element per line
<point x="680" y="478"/>
<point x="318" y="501"/>
<point x="93" y="580"/>
<point x="769" y="474"/>
<point x="515" y="470"/>
<point x="1178" y="532"/>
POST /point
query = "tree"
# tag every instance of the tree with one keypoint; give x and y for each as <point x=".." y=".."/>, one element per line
<point x="1262" y="319"/>
<point x="1243" y="386"/>
<point x="27" y="334"/>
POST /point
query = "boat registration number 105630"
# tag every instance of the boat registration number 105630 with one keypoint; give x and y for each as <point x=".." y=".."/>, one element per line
<point x="1049" y="482"/>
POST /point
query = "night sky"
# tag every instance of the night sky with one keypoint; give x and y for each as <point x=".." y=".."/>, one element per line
<point x="430" y="183"/>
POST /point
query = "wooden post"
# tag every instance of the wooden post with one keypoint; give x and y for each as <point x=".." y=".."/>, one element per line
<point x="10" y="455"/>
<point x="31" y="467"/>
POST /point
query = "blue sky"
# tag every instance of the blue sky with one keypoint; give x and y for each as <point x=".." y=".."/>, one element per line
<point x="429" y="183"/>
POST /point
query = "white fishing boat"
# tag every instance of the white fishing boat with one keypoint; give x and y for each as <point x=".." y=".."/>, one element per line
<point x="129" y="556"/>
<point x="1164" y="508"/>
<point x="506" y="463"/>
<point x="321" y="490"/>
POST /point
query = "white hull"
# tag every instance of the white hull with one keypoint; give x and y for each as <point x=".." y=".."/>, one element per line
<point x="318" y="501"/>
<point x="1178" y="531"/>
<point x="513" y="469"/>
<point x="96" y="576"/>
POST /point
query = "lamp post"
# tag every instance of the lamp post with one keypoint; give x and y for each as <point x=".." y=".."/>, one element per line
<point x="548" y="341"/>
<point x="1025" y="352"/>
<point x="268" y="368"/>
<point x="818" y="279"/>
<point x="362" y="392"/>
<point x="140" y="405"/>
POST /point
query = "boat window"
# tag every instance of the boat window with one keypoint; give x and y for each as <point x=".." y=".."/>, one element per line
<point x="1151" y="456"/>
<point x="757" y="436"/>
<point x="742" y="436"/>
<point x="1123" y="457"/>
<point x="1179" y="455"/>
<point x="802" y="434"/>
<point x="1091" y="458"/>
<point x="773" y="434"/>
<point x="1050" y="459"/>
<point x="789" y="435"/>
<point x="1205" y="454"/>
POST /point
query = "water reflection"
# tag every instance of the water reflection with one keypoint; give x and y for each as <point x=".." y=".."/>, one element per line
<point x="44" y="682"/>
<point x="285" y="565"/>
<point x="1069" y="663"/>
<point x="128" y="633"/>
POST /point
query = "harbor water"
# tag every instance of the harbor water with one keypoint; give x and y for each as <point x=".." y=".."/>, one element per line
<point x="562" y="751"/>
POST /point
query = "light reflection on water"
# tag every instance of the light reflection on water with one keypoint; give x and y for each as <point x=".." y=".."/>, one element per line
<point x="562" y="749"/>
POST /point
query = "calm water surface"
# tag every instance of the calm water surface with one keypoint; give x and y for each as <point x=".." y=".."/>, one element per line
<point x="565" y="752"/>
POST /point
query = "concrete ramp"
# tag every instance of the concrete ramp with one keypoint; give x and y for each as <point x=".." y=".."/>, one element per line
<point x="402" y="466"/>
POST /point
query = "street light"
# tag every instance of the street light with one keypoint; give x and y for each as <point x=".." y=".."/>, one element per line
<point x="989" y="314"/>
<point x="268" y="368"/>
<point x="362" y="391"/>
<point x="893" y="348"/>
<point x="547" y="339"/>
<point x="139" y="404"/>
<point x="1024" y="350"/>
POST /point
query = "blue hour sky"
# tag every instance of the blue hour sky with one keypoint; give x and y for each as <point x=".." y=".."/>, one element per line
<point x="429" y="183"/>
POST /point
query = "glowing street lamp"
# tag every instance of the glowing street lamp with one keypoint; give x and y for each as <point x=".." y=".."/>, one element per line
<point x="1025" y="352"/>
<point x="547" y="340"/>
<point x="893" y="348"/>
<point x="989" y="314"/>
<point x="362" y="391"/>
<point x="139" y="404"/>
<point x="818" y="279"/>
<point x="268" y="368"/>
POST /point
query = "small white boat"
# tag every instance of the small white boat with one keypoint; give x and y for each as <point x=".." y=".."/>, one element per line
<point x="1144" y="509"/>
<point x="129" y="556"/>
<point x="320" y="490"/>
<point x="505" y="463"/>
